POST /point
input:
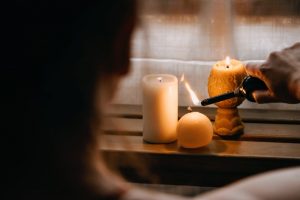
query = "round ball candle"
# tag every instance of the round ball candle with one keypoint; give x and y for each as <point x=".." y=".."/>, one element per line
<point x="226" y="76"/>
<point x="194" y="130"/>
<point x="160" y="108"/>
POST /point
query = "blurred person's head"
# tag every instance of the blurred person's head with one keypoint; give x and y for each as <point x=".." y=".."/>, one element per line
<point x="62" y="59"/>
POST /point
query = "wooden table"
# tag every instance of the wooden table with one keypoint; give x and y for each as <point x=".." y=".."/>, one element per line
<point x="271" y="141"/>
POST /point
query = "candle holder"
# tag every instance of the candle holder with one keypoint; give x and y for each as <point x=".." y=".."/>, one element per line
<point x="226" y="76"/>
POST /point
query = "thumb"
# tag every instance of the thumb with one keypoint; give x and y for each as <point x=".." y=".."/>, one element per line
<point x="264" y="96"/>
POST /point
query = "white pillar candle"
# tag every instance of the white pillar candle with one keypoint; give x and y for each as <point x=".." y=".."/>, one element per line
<point x="160" y="108"/>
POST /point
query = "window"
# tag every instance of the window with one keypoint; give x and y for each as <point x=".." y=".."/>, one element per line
<point x="189" y="36"/>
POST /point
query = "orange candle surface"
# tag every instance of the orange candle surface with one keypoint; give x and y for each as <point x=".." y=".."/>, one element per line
<point x="226" y="76"/>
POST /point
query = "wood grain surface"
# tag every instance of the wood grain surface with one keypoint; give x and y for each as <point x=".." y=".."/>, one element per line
<point x="271" y="141"/>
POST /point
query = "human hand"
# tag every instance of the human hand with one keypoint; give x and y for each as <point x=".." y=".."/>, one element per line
<point x="281" y="74"/>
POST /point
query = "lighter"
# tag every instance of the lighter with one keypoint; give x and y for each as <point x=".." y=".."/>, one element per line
<point x="246" y="89"/>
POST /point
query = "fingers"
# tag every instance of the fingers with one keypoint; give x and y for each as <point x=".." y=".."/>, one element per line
<point x="264" y="96"/>
<point x="260" y="96"/>
<point x="254" y="69"/>
<point x="295" y="46"/>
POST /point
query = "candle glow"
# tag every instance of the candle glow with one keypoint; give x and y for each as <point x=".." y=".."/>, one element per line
<point x="159" y="79"/>
<point x="227" y="60"/>
<point x="225" y="76"/>
<point x="193" y="95"/>
<point x="182" y="78"/>
<point x="194" y="129"/>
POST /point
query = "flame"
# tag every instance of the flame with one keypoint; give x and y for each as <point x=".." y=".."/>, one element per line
<point x="227" y="60"/>
<point x="193" y="95"/>
<point x="182" y="78"/>
<point x="159" y="79"/>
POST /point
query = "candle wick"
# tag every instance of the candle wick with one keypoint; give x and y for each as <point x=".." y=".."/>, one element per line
<point x="189" y="108"/>
<point x="227" y="66"/>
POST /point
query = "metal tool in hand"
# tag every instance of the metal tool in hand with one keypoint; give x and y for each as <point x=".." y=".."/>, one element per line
<point x="246" y="89"/>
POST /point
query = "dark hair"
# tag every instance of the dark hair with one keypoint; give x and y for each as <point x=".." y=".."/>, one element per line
<point x="55" y="53"/>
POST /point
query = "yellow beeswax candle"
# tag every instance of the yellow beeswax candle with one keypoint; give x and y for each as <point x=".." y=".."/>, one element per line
<point x="226" y="76"/>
